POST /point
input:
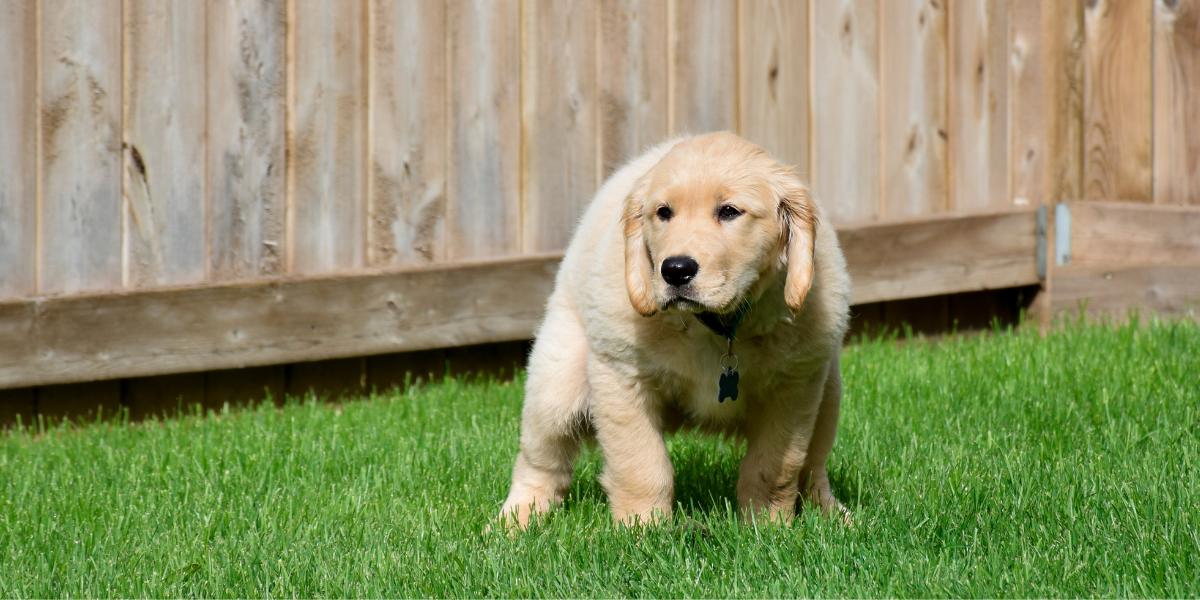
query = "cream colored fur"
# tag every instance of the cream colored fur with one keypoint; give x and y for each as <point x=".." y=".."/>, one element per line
<point x="615" y="358"/>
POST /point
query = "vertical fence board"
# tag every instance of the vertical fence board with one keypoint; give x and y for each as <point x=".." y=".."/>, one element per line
<point x="483" y="212"/>
<point x="79" y="402"/>
<point x="845" y="124"/>
<point x="18" y="148"/>
<point x="328" y="137"/>
<point x="632" y="79"/>
<point x="407" y="125"/>
<point x="913" y="107"/>
<point x="164" y="152"/>
<point x="1117" y="107"/>
<point x="246" y="114"/>
<point x="1047" y="101"/>
<point x="81" y="226"/>
<point x="163" y="395"/>
<point x="327" y="379"/>
<point x="1177" y="101"/>
<point x="979" y="105"/>
<point x="773" y="78"/>
<point x="704" y="66"/>
<point x="244" y="387"/>
<point x="558" y="119"/>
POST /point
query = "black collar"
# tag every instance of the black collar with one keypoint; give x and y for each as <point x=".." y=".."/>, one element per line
<point x="725" y="325"/>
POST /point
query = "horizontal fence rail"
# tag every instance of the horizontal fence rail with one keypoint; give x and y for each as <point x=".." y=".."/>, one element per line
<point x="105" y="336"/>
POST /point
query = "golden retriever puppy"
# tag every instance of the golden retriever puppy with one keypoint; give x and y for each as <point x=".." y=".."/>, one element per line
<point x="702" y="289"/>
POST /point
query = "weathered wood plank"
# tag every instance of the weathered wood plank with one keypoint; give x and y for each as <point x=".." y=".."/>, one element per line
<point x="18" y="148"/>
<point x="407" y="128"/>
<point x="1047" y="101"/>
<point x="164" y="151"/>
<point x="979" y="57"/>
<point x="558" y="119"/>
<point x="1117" y="100"/>
<point x="773" y="78"/>
<point x="941" y="256"/>
<point x="235" y="325"/>
<point x="327" y="206"/>
<point x="231" y="325"/>
<point x="632" y="79"/>
<point x="80" y="226"/>
<point x="483" y="201"/>
<point x="1176" y="101"/>
<point x="246" y="107"/>
<point x="1127" y="233"/>
<point x="1114" y="291"/>
<point x="703" y="66"/>
<point x="913" y="108"/>
<point x="845" y="125"/>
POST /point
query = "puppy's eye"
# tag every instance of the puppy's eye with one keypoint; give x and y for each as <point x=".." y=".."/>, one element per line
<point x="728" y="212"/>
<point x="664" y="212"/>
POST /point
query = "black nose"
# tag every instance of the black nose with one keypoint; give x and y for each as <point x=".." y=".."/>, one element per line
<point x="678" y="270"/>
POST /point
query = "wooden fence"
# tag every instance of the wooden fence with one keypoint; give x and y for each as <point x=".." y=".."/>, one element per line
<point x="190" y="185"/>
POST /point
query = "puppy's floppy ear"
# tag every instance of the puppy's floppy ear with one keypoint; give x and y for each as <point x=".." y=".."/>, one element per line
<point x="800" y="230"/>
<point x="639" y="272"/>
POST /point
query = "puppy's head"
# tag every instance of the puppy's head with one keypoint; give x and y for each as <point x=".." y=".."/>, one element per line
<point x="712" y="224"/>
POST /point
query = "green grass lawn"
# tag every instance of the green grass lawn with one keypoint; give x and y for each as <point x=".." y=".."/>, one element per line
<point x="1004" y="464"/>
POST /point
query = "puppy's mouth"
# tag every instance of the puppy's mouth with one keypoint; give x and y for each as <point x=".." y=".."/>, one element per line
<point x="684" y="304"/>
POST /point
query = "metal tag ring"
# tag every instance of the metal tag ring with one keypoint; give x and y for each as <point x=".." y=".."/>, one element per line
<point x="729" y="362"/>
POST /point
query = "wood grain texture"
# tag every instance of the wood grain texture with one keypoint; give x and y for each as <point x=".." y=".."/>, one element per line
<point x="913" y="108"/>
<point x="1125" y="233"/>
<point x="979" y="103"/>
<point x="703" y="66"/>
<point x="1047" y="101"/>
<point x="558" y="151"/>
<point x="632" y="79"/>
<point x="18" y="148"/>
<point x="407" y="129"/>
<point x="233" y="325"/>
<point x="164" y="152"/>
<point x="150" y="332"/>
<point x="773" y="78"/>
<point x="1167" y="290"/>
<point x="246" y="120"/>
<point x="483" y="215"/>
<point x="944" y="255"/>
<point x="1176" y="101"/>
<point x="80" y="226"/>
<point x="845" y="124"/>
<point x="1117" y="100"/>
<point x="327" y="147"/>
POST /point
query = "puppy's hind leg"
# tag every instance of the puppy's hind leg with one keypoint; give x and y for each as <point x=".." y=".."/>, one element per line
<point x="814" y="480"/>
<point x="554" y="414"/>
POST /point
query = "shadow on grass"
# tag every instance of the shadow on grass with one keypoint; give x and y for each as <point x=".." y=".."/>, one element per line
<point x="706" y="473"/>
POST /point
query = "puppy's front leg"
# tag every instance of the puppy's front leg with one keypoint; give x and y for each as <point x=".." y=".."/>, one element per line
<point x="637" y="473"/>
<point x="778" y="434"/>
